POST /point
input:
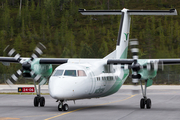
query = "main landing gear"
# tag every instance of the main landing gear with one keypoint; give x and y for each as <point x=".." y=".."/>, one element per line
<point x="61" y="106"/>
<point x="145" y="101"/>
<point x="39" y="99"/>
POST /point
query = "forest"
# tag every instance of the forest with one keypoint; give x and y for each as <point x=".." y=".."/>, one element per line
<point x="68" y="34"/>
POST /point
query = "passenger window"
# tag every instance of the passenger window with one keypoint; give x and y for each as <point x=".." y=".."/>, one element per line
<point x="70" y="73"/>
<point x="58" y="73"/>
<point x="81" y="73"/>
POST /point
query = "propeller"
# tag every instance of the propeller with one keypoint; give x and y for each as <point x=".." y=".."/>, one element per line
<point x="26" y="65"/>
<point x="136" y="67"/>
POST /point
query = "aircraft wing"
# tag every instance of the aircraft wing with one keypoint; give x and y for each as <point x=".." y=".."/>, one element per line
<point x="130" y="61"/>
<point x="53" y="60"/>
<point x="8" y="59"/>
<point x="109" y="61"/>
<point x="41" y="60"/>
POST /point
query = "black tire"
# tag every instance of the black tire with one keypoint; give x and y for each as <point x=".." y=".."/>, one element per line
<point x="148" y="104"/>
<point x="65" y="107"/>
<point x="36" y="101"/>
<point x="42" y="101"/>
<point x="142" y="103"/>
<point x="60" y="108"/>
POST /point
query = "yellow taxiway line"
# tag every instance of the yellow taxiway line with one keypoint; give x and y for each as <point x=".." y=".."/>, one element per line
<point x="89" y="107"/>
<point x="8" y="118"/>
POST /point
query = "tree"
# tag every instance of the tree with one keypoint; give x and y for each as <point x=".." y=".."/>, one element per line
<point x="6" y="17"/>
<point x="18" y="44"/>
<point x="70" y="43"/>
<point x="20" y="5"/>
<point x="86" y="51"/>
<point x="103" y="51"/>
<point x="56" y="37"/>
<point x="3" y="34"/>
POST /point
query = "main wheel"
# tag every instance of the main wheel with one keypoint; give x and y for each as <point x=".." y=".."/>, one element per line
<point x="65" y="107"/>
<point x="148" y="104"/>
<point x="36" y="101"/>
<point x="60" y="107"/>
<point x="42" y="101"/>
<point x="142" y="103"/>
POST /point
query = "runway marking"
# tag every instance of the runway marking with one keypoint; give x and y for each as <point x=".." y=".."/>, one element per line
<point x="38" y="115"/>
<point x="90" y="107"/>
<point x="7" y="118"/>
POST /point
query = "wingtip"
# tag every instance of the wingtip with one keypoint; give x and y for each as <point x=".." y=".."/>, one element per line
<point x="81" y="10"/>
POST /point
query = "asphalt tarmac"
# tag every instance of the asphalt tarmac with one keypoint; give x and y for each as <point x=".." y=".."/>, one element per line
<point x="119" y="106"/>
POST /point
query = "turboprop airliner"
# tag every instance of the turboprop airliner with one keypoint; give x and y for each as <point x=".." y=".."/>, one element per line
<point x="77" y="79"/>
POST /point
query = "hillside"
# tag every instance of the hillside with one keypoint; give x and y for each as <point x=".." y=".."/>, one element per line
<point x="67" y="33"/>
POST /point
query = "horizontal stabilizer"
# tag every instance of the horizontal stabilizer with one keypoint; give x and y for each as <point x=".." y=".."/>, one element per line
<point x="100" y="12"/>
<point x="130" y="12"/>
<point x="152" y="12"/>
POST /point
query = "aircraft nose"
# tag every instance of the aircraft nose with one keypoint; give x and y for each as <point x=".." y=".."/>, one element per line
<point x="59" y="89"/>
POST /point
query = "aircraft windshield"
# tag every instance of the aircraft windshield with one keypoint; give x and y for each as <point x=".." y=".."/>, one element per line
<point x="70" y="73"/>
<point x="81" y="73"/>
<point x="58" y="73"/>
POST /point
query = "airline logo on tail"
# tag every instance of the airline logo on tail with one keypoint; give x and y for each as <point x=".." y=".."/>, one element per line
<point x="126" y="34"/>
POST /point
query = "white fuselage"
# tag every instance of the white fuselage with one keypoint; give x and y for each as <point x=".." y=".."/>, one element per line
<point x="99" y="80"/>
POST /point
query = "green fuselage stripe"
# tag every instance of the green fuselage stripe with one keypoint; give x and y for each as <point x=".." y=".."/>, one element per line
<point x="119" y="82"/>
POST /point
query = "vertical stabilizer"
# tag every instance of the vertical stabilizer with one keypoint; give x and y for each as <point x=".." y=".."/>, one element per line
<point x="123" y="35"/>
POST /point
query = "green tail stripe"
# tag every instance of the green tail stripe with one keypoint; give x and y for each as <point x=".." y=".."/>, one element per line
<point x="124" y="55"/>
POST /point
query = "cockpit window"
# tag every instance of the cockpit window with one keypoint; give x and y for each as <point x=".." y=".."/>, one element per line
<point x="81" y="73"/>
<point x="70" y="73"/>
<point x="58" y="73"/>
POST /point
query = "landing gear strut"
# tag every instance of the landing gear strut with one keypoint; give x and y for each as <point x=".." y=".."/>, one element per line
<point x="63" y="107"/>
<point x="145" y="101"/>
<point x="38" y="99"/>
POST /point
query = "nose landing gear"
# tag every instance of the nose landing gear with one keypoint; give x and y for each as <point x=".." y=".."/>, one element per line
<point x="63" y="107"/>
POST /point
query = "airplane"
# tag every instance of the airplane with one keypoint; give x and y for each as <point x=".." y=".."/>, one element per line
<point x="83" y="78"/>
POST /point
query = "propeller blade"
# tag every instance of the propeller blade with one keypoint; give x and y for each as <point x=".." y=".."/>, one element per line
<point x="43" y="81"/>
<point x="156" y="65"/>
<point x="14" y="77"/>
<point x="12" y="53"/>
<point x="148" y="66"/>
<point x="161" y="65"/>
<point x="38" y="51"/>
<point x="135" y="78"/>
<point x="136" y="89"/>
<point x="38" y="78"/>
<point x="134" y="43"/>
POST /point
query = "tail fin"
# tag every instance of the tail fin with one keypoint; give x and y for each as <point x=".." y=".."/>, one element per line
<point x="123" y="35"/>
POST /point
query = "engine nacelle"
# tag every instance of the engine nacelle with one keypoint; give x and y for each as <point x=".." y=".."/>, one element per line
<point x="147" y="74"/>
<point x="44" y="69"/>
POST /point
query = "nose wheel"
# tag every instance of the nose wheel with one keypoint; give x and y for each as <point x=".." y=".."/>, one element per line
<point x="63" y="107"/>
